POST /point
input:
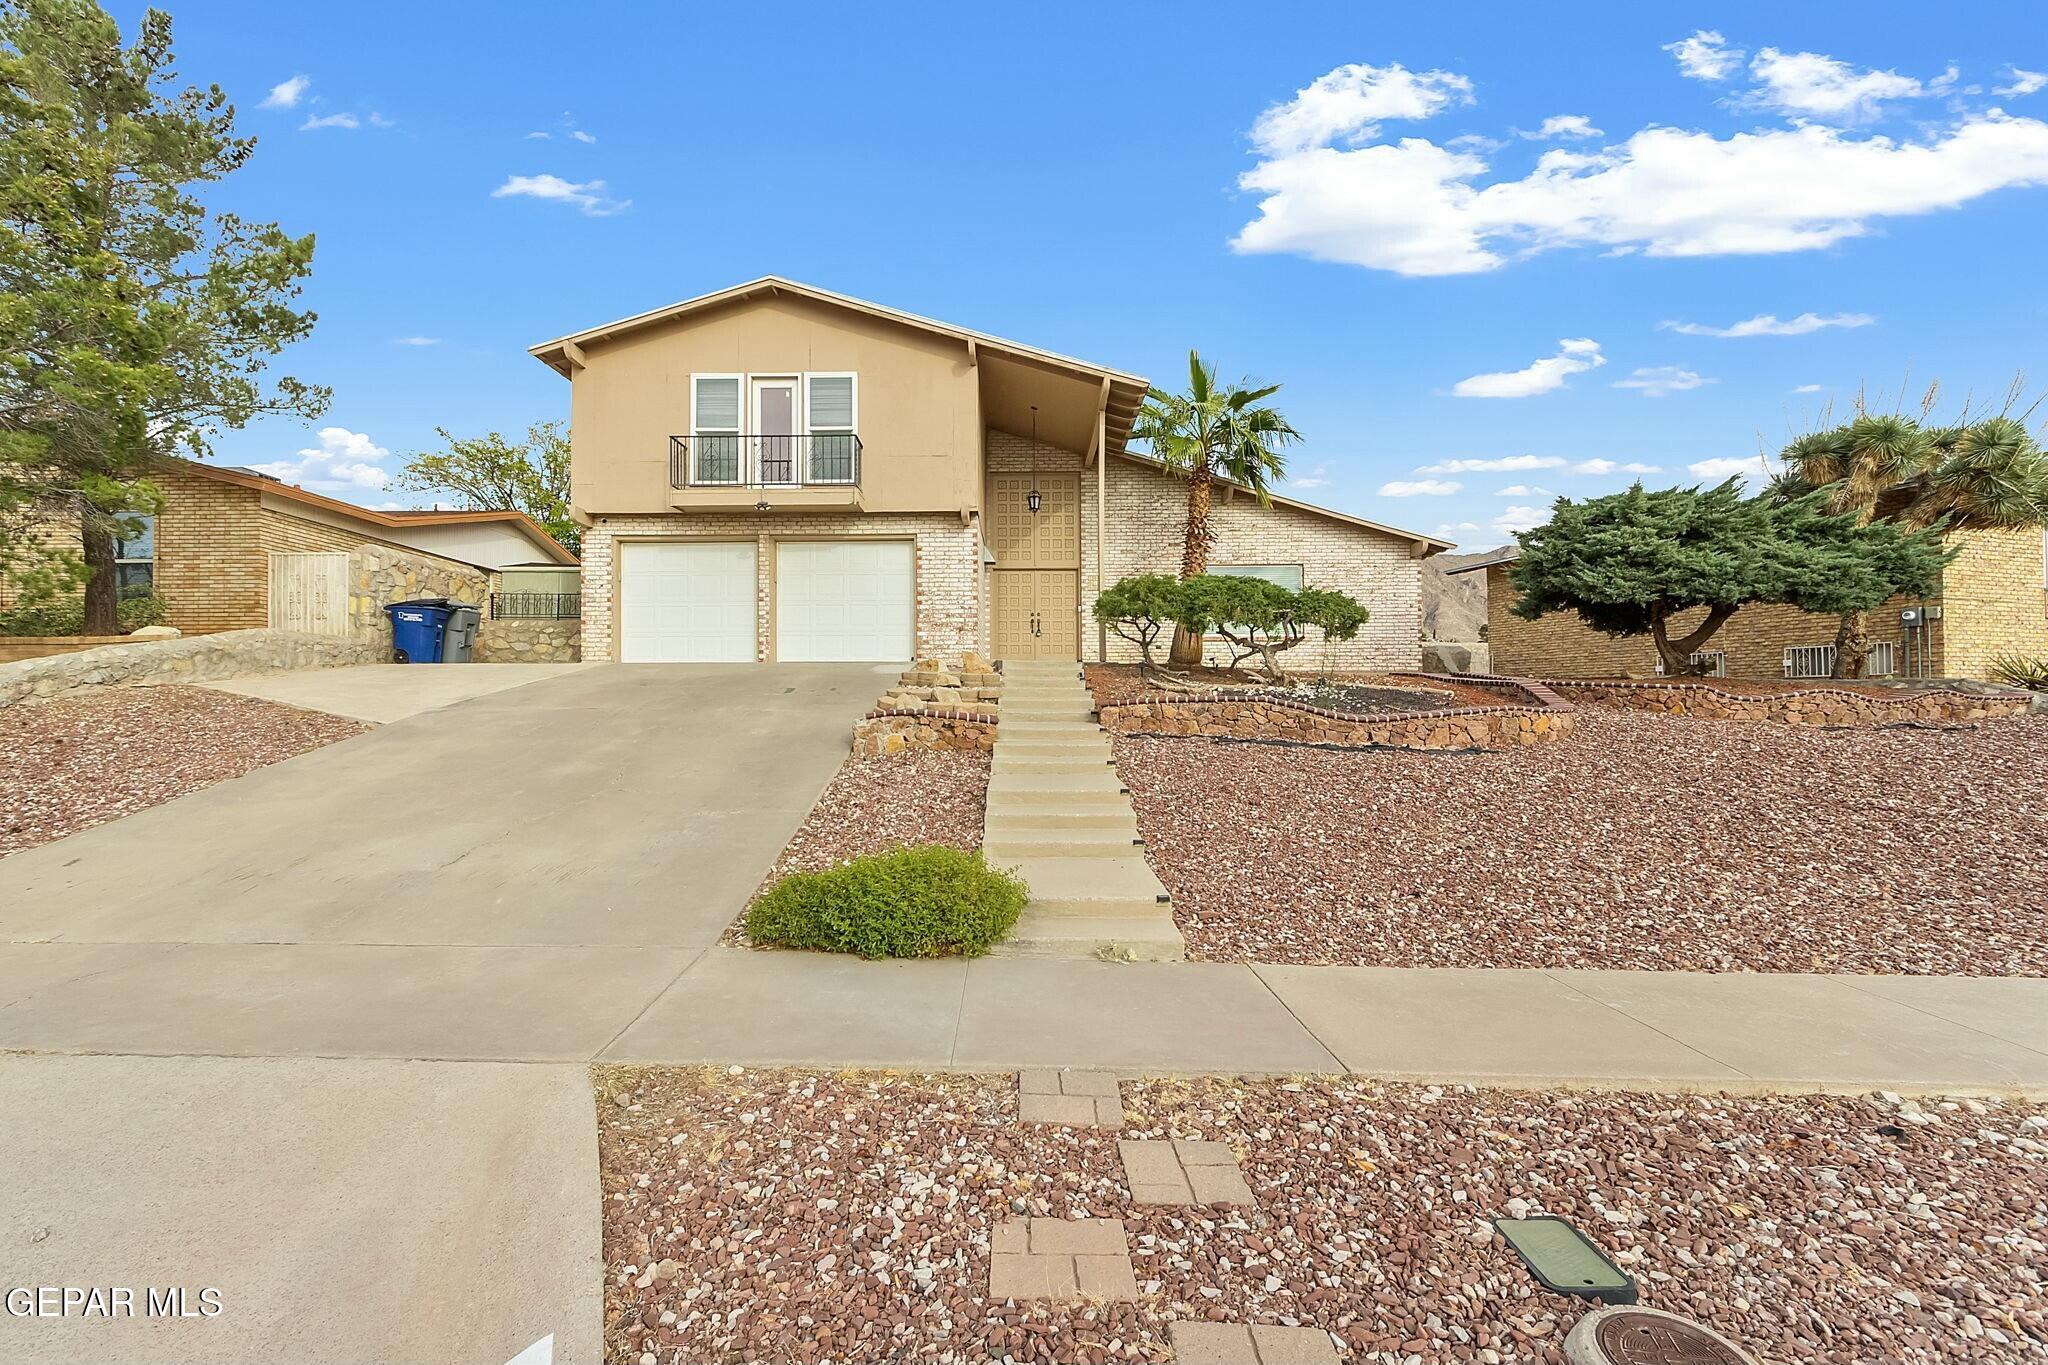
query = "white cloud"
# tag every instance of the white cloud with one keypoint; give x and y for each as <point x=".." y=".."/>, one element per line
<point x="1420" y="488"/>
<point x="1610" y="467"/>
<point x="1523" y="490"/>
<point x="543" y="137"/>
<point x="2023" y="83"/>
<point x="318" y="121"/>
<point x="1705" y="56"/>
<point x="1574" y="355"/>
<point x="1809" y="388"/>
<point x="1564" y="126"/>
<point x="1657" y="381"/>
<point x="1520" y="519"/>
<point x="1809" y="85"/>
<point x="577" y="134"/>
<point x="1451" y="528"/>
<point x="1754" y="470"/>
<point x="1315" y="477"/>
<point x="344" y="461"/>
<point x="1415" y="207"/>
<point x="1507" y="464"/>
<point x="1769" y="325"/>
<point x="1347" y="104"/>
<point x="415" y="341"/>
<point x="285" y="94"/>
<point x="588" y="196"/>
<point x="378" y="120"/>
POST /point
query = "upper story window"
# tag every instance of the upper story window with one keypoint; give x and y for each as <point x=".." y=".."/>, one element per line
<point x="135" y="557"/>
<point x="774" y="430"/>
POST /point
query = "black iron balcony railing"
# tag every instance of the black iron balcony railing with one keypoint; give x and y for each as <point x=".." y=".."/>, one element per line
<point x="831" y="460"/>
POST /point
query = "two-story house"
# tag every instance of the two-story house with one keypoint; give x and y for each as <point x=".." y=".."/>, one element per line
<point x="777" y="472"/>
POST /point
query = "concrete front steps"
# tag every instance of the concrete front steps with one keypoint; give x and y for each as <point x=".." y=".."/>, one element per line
<point x="1060" y="818"/>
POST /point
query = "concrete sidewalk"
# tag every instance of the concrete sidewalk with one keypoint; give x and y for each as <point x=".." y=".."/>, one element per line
<point x="1635" y="1030"/>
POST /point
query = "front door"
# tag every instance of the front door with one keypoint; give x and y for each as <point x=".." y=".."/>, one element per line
<point x="1035" y="583"/>
<point x="775" y="431"/>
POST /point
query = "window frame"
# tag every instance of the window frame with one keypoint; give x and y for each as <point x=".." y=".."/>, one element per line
<point x="737" y="431"/>
<point x="1238" y="571"/>
<point x="127" y="561"/>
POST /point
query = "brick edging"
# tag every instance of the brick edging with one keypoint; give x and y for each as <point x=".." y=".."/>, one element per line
<point x="1546" y="701"/>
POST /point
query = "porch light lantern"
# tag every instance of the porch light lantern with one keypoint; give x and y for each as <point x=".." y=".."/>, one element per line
<point x="1034" y="499"/>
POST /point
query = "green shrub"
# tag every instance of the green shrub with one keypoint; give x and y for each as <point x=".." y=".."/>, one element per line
<point x="914" y="902"/>
<point x="137" y="608"/>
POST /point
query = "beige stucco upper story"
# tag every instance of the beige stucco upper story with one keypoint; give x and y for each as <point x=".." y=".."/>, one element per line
<point x="922" y="395"/>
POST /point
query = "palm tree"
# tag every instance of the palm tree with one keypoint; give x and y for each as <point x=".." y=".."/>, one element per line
<point x="1213" y="431"/>
<point x="1983" y="475"/>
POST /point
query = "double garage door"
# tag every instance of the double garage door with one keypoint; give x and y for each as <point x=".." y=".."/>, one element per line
<point x="682" y="602"/>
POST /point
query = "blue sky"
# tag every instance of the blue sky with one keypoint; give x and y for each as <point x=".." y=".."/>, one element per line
<point x="1360" y="202"/>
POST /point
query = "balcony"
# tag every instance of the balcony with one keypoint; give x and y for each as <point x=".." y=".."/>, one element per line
<point x="784" y="473"/>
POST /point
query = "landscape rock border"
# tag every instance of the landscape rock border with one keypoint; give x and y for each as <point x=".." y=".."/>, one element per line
<point x="1833" y="706"/>
<point x="934" y="706"/>
<point x="194" y="658"/>
<point x="1231" y="713"/>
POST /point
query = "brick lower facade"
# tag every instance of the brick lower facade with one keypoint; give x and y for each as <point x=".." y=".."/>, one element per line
<point x="1994" y="600"/>
<point x="951" y="619"/>
<point x="1146" y="526"/>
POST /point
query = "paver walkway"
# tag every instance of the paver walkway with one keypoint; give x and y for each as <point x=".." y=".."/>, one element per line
<point x="1058" y="815"/>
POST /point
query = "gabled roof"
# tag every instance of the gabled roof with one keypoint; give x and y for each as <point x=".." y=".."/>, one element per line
<point x="1433" y="544"/>
<point x="248" y="478"/>
<point x="1122" y="392"/>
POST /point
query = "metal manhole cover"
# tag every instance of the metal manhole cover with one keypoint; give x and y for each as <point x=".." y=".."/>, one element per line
<point x="1645" y="1336"/>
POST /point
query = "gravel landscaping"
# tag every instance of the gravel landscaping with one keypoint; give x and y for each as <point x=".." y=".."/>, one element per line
<point x="68" y="765"/>
<point x="792" y="1216"/>
<point x="874" y="804"/>
<point x="1642" y="841"/>
<point x="1359" y="693"/>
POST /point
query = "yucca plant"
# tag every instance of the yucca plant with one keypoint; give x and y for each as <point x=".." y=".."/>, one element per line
<point x="2021" y="671"/>
<point x="1883" y="467"/>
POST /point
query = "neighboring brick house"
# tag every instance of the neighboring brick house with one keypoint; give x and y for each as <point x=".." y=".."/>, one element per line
<point x="775" y="472"/>
<point x="233" y="549"/>
<point x="1993" y="601"/>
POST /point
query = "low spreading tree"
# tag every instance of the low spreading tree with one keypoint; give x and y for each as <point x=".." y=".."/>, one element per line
<point x="1632" y="563"/>
<point x="1256" y="617"/>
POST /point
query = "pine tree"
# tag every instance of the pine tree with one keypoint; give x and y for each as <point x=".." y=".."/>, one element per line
<point x="1631" y="562"/>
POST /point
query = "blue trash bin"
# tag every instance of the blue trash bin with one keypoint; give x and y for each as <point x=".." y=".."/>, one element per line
<point x="418" y="628"/>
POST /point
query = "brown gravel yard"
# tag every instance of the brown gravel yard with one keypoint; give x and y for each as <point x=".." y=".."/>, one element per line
<point x="1642" y="841"/>
<point x="793" y="1216"/>
<point x="871" y="805"/>
<point x="68" y="765"/>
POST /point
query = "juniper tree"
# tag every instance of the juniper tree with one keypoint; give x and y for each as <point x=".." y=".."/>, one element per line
<point x="1632" y="563"/>
<point x="134" y="320"/>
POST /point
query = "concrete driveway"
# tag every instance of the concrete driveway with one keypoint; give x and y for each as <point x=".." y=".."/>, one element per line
<point x="382" y="693"/>
<point x="304" y="972"/>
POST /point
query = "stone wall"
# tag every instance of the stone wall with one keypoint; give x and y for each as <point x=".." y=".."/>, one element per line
<point x="934" y="705"/>
<point x="382" y="574"/>
<point x="529" y="640"/>
<point x="1147" y="523"/>
<point x="946" y="566"/>
<point x="1544" y="717"/>
<point x="1456" y="656"/>
<point x="193" y="659"/>
<point x="1805" y="706"/>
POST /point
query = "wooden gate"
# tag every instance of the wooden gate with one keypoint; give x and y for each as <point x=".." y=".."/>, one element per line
<point x="309" y="592"/>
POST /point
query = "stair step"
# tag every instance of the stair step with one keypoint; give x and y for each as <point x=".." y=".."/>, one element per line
<point x="1137" y="938"/>
<point x="1054" y="763"/>
<point x="1101" y="779"/>
<point x="1078" y="746"/>
<point x="1127" y="879"/>
<point x="1012" y="847"/>
<point x="1047" y="729"/>
<point x="1009" y="820"/>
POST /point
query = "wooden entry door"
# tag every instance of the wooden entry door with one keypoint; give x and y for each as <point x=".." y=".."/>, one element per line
<point x="1036" y="579"/>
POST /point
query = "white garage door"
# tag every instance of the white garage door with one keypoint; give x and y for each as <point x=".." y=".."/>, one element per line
<point x="843" y="599"/>
<point x="686" y="604"/>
